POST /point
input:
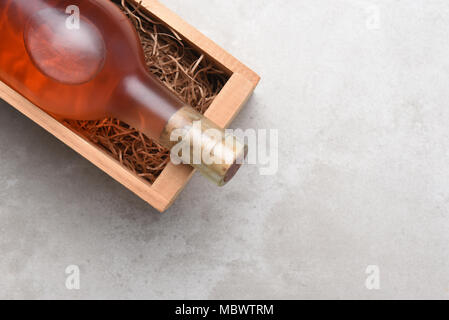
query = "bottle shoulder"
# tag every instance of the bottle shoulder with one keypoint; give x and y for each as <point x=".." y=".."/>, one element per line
<point x="73" y="41"/>
<point x="67" y="64"/>
<point x="68" y="49"/>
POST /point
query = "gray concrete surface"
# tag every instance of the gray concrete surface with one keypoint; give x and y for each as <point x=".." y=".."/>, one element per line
<point x="359" y="93"/>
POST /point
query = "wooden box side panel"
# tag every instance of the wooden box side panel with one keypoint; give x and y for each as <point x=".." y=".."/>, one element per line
<point x="199" y="40"/>
<point x="88" y="150"/>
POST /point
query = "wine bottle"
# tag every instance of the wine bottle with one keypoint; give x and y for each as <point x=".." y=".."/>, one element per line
<point x="82" y="60"/>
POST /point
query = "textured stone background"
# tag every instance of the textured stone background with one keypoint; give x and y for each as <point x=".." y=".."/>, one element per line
<point x="362" y="112"/>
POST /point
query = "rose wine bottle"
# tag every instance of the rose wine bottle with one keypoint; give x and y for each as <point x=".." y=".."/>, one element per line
<point x="82" y="60"/>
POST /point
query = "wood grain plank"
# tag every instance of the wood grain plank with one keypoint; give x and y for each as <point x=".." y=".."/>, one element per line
<point x="230" y="101"/>
<point x="85" y="148"/>
<point x="172" y="181"/>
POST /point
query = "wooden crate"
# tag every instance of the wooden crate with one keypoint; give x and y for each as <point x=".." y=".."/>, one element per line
<point x="162" y="193"/>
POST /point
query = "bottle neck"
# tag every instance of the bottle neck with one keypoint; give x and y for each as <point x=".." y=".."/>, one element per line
<point x="145" y="104"/>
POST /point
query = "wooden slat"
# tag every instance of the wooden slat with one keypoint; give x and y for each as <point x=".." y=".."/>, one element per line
<point x="172" y="181"/>
<point x="230" y="101"/>
<point x="88" y="150"/>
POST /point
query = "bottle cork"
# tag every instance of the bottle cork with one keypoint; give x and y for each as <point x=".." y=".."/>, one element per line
<point x="197" y="141"/>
